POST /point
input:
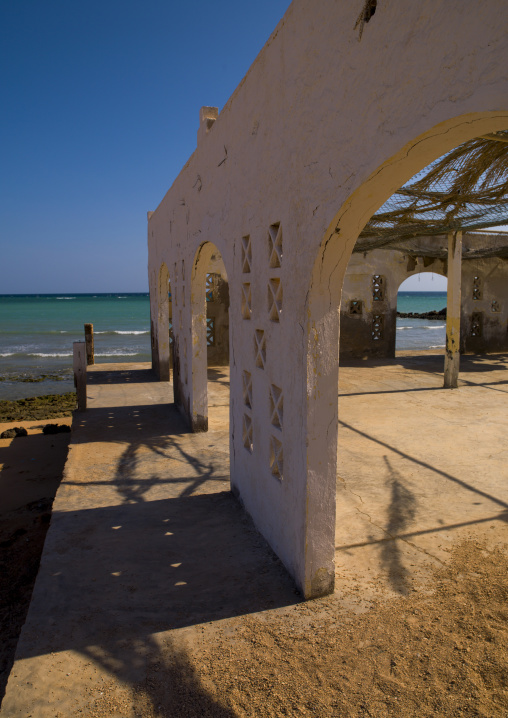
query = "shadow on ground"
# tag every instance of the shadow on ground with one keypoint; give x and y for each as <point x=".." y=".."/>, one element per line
<point x="115" y="376"/>
<point x="175" y="550"/>
<point x="32" y="468"/>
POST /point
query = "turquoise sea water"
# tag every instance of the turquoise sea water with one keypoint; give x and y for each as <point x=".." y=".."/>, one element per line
<point x="417" y="334"/>
<point x="37" y="332"/>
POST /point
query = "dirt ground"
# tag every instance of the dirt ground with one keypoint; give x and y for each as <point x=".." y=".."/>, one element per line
<point x="31" y="469"/>
<point x="230" y="637"/>
<point x="442" y="654"/>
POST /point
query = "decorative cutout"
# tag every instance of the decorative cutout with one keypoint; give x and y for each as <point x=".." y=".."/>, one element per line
<point x="495" y="306"/>
<point x="210" y="331"/>
<point x="247" y="389"/>
<point x="276" y="406"/>
<point x="247" y="433"/>
<point x="260" y="348"/>
<point x="246" y="301"/>
<point x="171" y="335"/>
<point x="378" y="288"/>
<point x="180" y="323"/>
<point x="275" y="245"/>
<point x="183" y="270"/>
<point x="209" y="288"/>
<point x="476" y="324"/>
<point x="377" y="327"/>
<point x="276" y="458"/>
<point x="274" y="298"/>
<point x="355" y="306"/>
<point x="246" y="255"/>
<point x="176" y="273"/>
<point x="183" y="295"/>
<point x="477" y="288"/>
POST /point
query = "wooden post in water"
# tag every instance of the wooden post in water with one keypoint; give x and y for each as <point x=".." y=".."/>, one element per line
<point x="79" y="366"/>
<point x="452" y="352"/>
<point x="90" y="356"/>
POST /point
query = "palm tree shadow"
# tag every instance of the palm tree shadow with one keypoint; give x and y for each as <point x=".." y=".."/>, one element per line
<point x="163" y="682"/>
<point x="401" y="514"/>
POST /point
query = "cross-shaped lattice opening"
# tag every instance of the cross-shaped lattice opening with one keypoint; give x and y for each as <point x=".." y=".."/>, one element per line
<point x="275" y="245"/>
<point x="210" y="331"/>
<point x="276" y="458"/>
<point x="377" y="327"/>
<point x="171" y="337"/>
<point x="247" y="433"/>
<point x="209" y="287"/>
<point x="260" y="348"/>
<point x="274" y="298"/>
<point x="183" y="270"/>
<point x="276" y="406"/>
<point x="183" y="295"/>
<point x="355" y="306"/>
<point x="378" y="288"/>
<point x="246" y="301"/>
<point x="247" y="388"/>
<point x="476" y="324"/>
<point x="477" y="288"/>
<point x="246" y="255"/>
<point x="495" y="306"/>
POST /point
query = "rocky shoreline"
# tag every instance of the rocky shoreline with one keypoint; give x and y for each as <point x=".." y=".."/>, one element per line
<point x="436" y="315"/>
<point x="38" y="407"/>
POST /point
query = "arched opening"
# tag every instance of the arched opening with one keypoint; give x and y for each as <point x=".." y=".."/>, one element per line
<point x="421" y="315"/>
<point x="322" y="332"/>
<point x="210" y="340"/>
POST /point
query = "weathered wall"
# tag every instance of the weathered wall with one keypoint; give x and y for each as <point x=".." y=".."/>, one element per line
<point x="320" y="132"/>
<point x="369" y="297"/>
<point x="484" y="317"/>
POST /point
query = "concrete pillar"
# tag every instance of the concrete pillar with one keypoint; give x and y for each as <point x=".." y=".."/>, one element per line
<point x="90" y="356"/>
<point x="163" y="334"/>
<point x="452" y="353"/>
<point x="79" y="367"/>
<point x="160" y="313"/>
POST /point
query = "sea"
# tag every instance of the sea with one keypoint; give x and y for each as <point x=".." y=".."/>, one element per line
<point x="37" y="332"/>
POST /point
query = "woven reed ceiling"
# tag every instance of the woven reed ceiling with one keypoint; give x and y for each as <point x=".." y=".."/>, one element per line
<point x="466" y="189"/>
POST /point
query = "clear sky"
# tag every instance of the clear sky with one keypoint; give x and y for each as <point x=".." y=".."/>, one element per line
<point x="424" y="282"/>
<point x="99" y="112"/>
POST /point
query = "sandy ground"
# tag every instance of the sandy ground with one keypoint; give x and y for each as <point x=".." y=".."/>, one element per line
<point x="31" y="468"/>
<point x="156" y="596"/>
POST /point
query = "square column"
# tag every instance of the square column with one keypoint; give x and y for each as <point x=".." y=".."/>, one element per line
<point x="453" y="300"/>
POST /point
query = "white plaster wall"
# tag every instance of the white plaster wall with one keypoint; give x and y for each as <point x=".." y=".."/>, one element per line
<point x="320" y="132"/>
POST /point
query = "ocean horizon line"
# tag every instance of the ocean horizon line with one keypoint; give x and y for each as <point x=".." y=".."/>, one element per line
<point x="56" y="295"/>
<point x="75" y="294"/>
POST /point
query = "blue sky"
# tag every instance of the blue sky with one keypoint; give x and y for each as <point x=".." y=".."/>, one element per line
<point x="100" y="109"/>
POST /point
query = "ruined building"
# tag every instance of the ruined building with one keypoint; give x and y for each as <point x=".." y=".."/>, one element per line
<point x="346" y="102"/>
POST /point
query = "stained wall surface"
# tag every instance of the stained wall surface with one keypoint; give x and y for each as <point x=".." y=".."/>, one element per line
<point x="369" y="297"/>
<point x="322" y="130"/>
